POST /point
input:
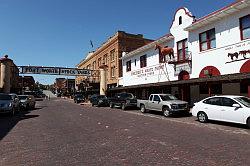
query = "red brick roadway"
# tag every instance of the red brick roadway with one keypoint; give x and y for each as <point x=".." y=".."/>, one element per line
<point x="60" y="132"/>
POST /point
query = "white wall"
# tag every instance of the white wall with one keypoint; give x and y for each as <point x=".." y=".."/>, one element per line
<point x="227" y="41"/>
<point x="155" y="72"/>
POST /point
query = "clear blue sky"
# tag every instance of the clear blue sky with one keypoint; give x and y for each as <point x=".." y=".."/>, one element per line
<point x="58" y="32"/>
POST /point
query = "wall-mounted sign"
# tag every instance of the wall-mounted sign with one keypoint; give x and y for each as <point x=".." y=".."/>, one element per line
<point x="150" y="71"/>
<point x="54" y="71"/>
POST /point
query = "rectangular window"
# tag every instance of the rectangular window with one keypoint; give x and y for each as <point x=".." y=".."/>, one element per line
<point x="207" y="40"/>
<point x="182" y="50"/>
<point x="128" y="66"/>
<point x="94" y="65"/>
<point x="143" y="61"/>
<point x="135" y="62"/>
<point x="99" y="62"/>
<point x="245" y="27"/>
<point x="112" y="55"/>
<point x="105" y="59"/>
<point x="113" y="71"/>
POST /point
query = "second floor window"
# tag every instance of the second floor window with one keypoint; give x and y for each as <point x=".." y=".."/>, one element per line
<point x="94" y="65"/>
<point x="128" y="66"/>
<point x="105" y="59"/>
<point x="207" y="40"/>
<point x="182" y="50"/>
<point x="99" y="62"/>
<point x="143" y="61"/>
<point x="245" y="27"/>
<point x="112" y="55"/>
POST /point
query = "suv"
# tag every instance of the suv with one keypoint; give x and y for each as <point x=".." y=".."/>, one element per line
<point x="99" y="100"/>
<point x="27" y="101"/>
<point x="78" y="98"/>
<point x="123" y="100"/>
<point x="7" y="104"/>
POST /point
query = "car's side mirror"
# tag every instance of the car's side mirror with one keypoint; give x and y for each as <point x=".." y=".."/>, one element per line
<point x="236" y="105"/>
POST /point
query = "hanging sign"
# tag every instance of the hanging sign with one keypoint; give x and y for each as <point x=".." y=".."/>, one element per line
<point x="54" y="71"/>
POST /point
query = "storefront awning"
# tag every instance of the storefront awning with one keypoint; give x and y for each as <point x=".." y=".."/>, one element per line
<point x="221" y="78"/>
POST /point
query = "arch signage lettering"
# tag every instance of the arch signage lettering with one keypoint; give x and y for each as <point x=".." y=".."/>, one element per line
<point x="54" y="71"/>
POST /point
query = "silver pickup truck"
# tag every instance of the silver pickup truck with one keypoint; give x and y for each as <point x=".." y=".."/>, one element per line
<point x="166" y="103"/>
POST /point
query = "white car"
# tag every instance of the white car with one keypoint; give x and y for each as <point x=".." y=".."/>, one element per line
<point x="235" y="109"/>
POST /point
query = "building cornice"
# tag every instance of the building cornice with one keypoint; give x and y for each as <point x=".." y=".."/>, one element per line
<point x="219" y="14"/>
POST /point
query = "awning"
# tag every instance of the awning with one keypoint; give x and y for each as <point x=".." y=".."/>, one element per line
<point x="222" y="78"/>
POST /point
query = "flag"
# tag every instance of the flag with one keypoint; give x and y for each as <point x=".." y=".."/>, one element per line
<point x="91" y="43"/>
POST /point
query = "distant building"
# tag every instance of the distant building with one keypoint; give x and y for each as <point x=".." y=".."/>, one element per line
<point x="108" y="54"/>
<point x="26" y="83"/>
<point x="63" y="85"/>
<point x="8" y="75"/>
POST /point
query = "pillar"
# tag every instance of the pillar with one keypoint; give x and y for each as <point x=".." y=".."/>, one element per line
<point x="5" y="74"/>
<point x="103" y="79"/>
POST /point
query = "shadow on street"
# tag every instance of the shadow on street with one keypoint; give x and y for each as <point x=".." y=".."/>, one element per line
<point x="8" y="122"/>
<point x="236" y="125"/>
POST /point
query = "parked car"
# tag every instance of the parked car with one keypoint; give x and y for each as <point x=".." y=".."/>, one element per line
<point x="99" y="100"/>
<point x="166" y="103"/>
<point x="235" y="109"/>
<point x="7" y="104"/>
<point x="123" y="100"/>
<point x="16" y="101"/>
<point x="78" y="98"/>
<point x="27" y="101"/>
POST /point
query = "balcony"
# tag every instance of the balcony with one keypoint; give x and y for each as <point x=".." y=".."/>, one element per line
<point x="181" y="65"/>
<point x="176" y="61"/>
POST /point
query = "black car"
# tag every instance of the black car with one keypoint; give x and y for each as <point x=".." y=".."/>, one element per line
<point x="123" y="100"/>
<point x="78" y="98"/>
<point x="99" y="100"/>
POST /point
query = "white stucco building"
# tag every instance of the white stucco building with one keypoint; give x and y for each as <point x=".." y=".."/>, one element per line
<point x="211" y="56"/>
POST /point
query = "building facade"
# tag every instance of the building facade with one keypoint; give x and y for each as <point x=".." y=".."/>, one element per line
<point x="9" y="75"/>
<point x="108" y="54"/>
<point x="206" y="56"/>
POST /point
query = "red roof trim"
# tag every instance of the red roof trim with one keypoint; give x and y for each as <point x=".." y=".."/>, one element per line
<point x="217" y="11"/>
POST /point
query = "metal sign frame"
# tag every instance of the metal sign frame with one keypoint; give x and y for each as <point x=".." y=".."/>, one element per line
<point x="54" y="71"/>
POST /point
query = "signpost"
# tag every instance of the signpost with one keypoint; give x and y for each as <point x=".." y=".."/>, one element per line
<point x="54" y="71"/>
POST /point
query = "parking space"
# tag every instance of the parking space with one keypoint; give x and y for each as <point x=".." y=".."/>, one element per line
<point x="188" y="120"/>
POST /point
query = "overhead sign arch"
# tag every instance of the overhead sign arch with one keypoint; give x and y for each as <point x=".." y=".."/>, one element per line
<point x="54" y="71"/>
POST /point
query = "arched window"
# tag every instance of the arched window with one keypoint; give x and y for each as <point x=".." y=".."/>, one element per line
<point x="180" y="20"/>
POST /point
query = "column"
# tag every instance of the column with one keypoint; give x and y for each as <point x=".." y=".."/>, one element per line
<point x="103" y="79"/>
<point x="5" y="74"/>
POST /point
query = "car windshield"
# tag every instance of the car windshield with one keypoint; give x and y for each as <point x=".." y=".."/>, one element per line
<point x="168" y="97"/>
<point x="243" y="100"/>
<point x="22" y="97"/>
<point x="5" y="97"/>
<point x="127" y="95"/>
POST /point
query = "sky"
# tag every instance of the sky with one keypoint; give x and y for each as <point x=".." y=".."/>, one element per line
<point x="58" y="32"/>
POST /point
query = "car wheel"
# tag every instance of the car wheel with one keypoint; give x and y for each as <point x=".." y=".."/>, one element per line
<point x="111" y="105"/>
<point x="202" y="117"/>
<point x="143" y="109"/>
<point x="123" y="106"/>
<point x="165" y="111"/>
<point x="248" y="122"/>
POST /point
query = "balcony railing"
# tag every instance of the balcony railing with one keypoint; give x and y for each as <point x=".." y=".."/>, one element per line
<point x="175" y="60"/>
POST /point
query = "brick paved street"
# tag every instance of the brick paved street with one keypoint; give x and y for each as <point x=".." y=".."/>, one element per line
<point x="60" y="132"/>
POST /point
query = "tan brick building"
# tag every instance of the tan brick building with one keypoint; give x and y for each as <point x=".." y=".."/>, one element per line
<point x="109" y="54"/>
